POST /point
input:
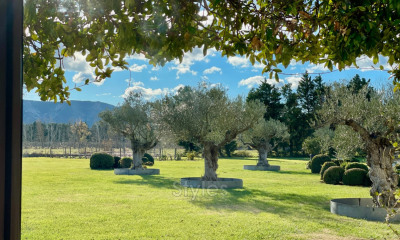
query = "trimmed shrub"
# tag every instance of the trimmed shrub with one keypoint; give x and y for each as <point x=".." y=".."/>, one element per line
<point x="126" y="162"/>
<point x="333" y="175"/>
<point x="242" y="153"/>
<point x="308" y="164"/>
<point x="116" y="162"/>
<point x="317" y="161"/>
<point x="356" y="165"/>
<point x="354" y="177"/>
<point x="148" y="159"/>
<point x="101" y="161"/>
<point x="325" y="166"/>
<point x="191" y="155"/>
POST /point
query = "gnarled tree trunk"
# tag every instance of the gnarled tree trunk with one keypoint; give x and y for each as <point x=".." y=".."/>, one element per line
<point x="262" y="156"/>
<point x="137" y="158"/>
<point x="210" y="162"/>
<point x="384" y="178"/>
<point x="380" y="158"/>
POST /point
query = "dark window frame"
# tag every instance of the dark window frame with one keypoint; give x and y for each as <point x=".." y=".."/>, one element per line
<point x="11" y="29"/>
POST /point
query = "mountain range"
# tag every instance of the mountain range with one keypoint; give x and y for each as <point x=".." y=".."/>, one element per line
<point x="50" y="112"/>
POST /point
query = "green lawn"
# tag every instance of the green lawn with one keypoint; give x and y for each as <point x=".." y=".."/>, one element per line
<point x="64" y="199"/>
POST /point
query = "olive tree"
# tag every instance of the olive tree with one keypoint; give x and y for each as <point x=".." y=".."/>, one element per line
<point x="347" y="142"/>
<point x="134" y="121"/>
<point x="206" y="115"/>
<point x="264" y="137"/>
<point x="376" y="119"/>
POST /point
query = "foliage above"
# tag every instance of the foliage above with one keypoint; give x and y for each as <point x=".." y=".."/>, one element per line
<point x="133" y="120"/>
<point x="376" y="117"/>
<point x="206" y="114"/>
<point x="332" y="33"/>
<point x="266" y="134"/>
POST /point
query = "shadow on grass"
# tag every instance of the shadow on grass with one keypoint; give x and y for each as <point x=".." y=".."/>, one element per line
<point x="286" y="205"/>
<point x="153" y="181"/>
<point x="296" y="173"/>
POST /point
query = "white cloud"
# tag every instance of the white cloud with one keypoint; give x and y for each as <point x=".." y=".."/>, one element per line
<point x="156" y="68"/>
<point x="189" y="59"/>
<point x="82" y="76"/>
<point x="77" y="64"/>
<point x="239" y="61"/>
<point x="294" y="80"/>
<point x="136" y="56"/>
<point x="182" y="69"/>
<point x="137" y="68"/>
<point x="213" y="69"/>
<point x="257" y="80"/>
<point x="204" y="78"/>
<point x="366" y="64"/>
<point x="214" y="85"/>
<point x="315" y="68"/>
<point x="133" y="83"/>
<point x="154" y="78"/>
<point x="103" y="94"/>
<point x="149" y="93"/>
<point x="196" y="55"/>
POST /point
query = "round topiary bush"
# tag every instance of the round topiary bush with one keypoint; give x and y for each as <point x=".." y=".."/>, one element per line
<point x="333" y="175"/>
<point x="356" y="165"/>
<point x="101" y="161"/>
<point x="148" y="160"/>
<point x="116" y="162"/>
<point x="325" y="166"/>
<point x="125" y="162"/>
<point x="317" y="161"/>
<point x="354" y="177"/>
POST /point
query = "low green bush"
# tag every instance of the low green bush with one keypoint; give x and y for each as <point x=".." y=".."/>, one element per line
<point x="317" y="161"/>
<point x="101" y="161"/>
<point x="356" y="165"/>
<point x="242" y="153"/>
<point x="148" y="159"/>
<point x="325" y="166"/>
<point x="354" y="177"/>
<point x="333" y="175"/>
<point x="308" y="164"/>
<point x="126" y="162"/>
<point x="191" y="155"/>
<point x="116" y="162"/>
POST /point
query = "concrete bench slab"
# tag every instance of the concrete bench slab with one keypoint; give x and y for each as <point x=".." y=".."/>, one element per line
<point x="128" y="171"/>
<point x="262" y="168"/>
<point x="221" y="183"/>
<point x="362" y="208"/>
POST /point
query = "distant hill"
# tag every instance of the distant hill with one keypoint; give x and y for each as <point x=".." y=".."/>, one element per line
<point x="50" y="112"/>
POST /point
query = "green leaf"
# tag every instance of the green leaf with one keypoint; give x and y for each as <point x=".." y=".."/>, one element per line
<point x="276" y="77"/>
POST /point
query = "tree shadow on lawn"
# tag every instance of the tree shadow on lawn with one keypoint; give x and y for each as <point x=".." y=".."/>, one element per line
<point x="287" y="205"/>
<point x="296" y="173"/>
<point x="152" y="180"/>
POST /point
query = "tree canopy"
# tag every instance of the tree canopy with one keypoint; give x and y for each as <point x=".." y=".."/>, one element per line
<point x="332" y="33"/>
<point x="376" y="120"/>
<point x="206" y="115"/>
<point x="133" y="120"/>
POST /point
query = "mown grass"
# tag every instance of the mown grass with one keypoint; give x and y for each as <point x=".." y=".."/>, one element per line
<point x="64" y="199"/>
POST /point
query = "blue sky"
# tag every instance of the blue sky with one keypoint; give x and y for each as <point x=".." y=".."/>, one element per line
<point x="235" y="73"/>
